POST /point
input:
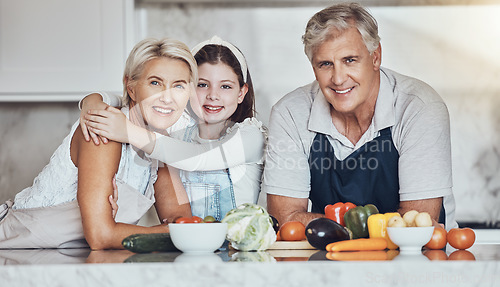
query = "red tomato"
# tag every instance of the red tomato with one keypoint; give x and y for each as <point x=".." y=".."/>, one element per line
<point x="192" y="219"/>
<point x="462" y="255"/>
<point x="461" y="238"/>
<point x="293" y="231"/>
<point x="438" y="239"/>
<point x="197" y="219"/>
<point x="184" y="220"/>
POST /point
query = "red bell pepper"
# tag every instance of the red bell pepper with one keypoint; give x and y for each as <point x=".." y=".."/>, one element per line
<point x="336" y="211"/>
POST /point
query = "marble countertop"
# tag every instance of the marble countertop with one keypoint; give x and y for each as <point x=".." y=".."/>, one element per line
<point x="477" y="266"/>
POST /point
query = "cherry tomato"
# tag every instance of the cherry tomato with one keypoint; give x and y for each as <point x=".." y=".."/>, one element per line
<point x="462" y="255"/>
<point x="196" y="219"/>
<point x="192" y="219"/>
<point x="184" y="220"/>
<point x="278" y="236"/>
<point x="461" y="238"/>
<point x="438" y="239"/>
<point x="293" y="231"/>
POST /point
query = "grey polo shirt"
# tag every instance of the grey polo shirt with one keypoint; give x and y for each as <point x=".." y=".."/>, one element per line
<point x="420" y="128"/>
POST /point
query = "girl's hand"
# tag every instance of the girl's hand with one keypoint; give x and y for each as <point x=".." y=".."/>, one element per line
<point x="91" y="102"/>
<point x="110" y="123"/>
<point x="113" y="198"/>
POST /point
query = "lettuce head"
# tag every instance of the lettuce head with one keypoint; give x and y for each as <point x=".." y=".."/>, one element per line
<point x="249" y="228"/>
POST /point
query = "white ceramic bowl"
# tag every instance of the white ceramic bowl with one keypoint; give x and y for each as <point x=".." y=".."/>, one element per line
<point x="198" y="237"/>
<point x="410" y="239"/>
<point x="198" y="257"/>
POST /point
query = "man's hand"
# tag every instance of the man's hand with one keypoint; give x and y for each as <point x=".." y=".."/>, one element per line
<point x="431" y="206"/>
<point x="285" y="209"/>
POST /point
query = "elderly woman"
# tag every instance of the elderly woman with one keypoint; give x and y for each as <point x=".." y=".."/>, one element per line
<point x="67" y="205"/>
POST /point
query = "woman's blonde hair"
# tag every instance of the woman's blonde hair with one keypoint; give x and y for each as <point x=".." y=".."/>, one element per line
<point x="340" y="17"/>
<point x="149" y="49"/>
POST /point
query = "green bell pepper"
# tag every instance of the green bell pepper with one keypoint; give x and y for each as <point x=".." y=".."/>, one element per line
<point x="356" y="220"/>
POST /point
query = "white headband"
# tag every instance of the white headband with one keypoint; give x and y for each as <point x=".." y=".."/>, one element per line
<point x="215" y="40"/>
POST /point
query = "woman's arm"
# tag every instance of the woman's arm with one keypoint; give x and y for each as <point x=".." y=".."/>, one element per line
<point x="96" y="167"/>
<point x="171" y="198"/>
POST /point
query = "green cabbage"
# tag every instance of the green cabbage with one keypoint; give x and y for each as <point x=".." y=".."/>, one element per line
<point x="249" y="228"/>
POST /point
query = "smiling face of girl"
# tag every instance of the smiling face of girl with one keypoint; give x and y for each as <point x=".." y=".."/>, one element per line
<point x="218" y="94"/>
<point x="161" y="91"/>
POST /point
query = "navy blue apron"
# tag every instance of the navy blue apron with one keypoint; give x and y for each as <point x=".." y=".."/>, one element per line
<point x="368" y="175"/>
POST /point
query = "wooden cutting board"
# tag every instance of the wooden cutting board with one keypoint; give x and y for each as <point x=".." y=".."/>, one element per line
<point x="291" y="255"/>
<point x="287" y="245"/>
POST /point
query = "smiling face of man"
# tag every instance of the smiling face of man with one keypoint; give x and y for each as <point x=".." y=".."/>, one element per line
<point x="347" y="73"/>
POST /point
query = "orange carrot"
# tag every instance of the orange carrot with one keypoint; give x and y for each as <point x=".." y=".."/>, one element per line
<point x="371" y="255"/>
<point x="358" y="244"/>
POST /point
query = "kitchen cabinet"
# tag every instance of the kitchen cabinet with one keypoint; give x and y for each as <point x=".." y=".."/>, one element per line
<point x="57" y="50"/>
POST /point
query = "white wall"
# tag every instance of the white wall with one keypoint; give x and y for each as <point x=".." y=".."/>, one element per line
<point x="455" y="49"/>
<point x="30" y="133"/>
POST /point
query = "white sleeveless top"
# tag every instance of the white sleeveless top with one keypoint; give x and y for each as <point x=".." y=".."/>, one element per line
<point x="58" y="181"/>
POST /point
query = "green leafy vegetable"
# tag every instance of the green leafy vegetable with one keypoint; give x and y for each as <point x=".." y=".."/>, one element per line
<point x="249" y="228"/>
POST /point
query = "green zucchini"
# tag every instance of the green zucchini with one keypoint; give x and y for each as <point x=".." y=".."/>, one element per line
<point x="145" y="243"/>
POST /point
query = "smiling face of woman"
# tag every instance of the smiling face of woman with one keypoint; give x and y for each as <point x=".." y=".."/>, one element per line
<point x="161" y="91"/>
<point x="218" y="93"/>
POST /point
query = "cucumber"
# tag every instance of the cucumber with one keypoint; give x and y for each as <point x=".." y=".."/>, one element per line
<point x="146" y="243"/>
<point x="152" y="257"/>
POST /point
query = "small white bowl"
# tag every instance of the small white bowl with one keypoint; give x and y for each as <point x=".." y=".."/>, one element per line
<point x="198" y="237"/>
<point x="198" y="257"/>
<point x="410" y="239"/>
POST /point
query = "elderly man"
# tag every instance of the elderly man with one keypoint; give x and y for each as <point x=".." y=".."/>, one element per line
<point x="359" y="133"/>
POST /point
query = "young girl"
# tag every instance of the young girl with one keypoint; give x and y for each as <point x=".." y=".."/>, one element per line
<point x="221" y="154"/>
<point x="67" y="206"/>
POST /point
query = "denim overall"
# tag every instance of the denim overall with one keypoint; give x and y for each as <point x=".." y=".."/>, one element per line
<point x="209" y="192"/>
<point x="368" y="175"/>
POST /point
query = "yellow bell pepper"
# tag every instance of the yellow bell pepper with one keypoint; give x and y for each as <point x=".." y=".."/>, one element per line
<point x="377" y="227"/>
